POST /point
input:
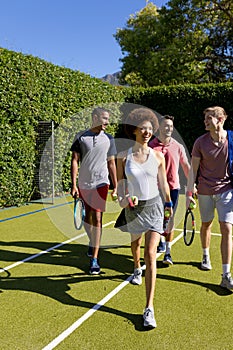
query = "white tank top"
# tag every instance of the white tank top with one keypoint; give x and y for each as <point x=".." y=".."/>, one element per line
<point x="142" y="178"/>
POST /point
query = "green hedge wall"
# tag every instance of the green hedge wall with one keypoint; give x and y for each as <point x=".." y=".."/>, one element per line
<point x="186" y="103"/>
<point x="33" y="90"/>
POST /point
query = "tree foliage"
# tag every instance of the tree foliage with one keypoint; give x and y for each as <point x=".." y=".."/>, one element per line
<point x="186" y="41"/>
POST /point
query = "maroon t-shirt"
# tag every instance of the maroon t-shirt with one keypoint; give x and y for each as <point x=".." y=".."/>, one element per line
<point x="214" y="172"/>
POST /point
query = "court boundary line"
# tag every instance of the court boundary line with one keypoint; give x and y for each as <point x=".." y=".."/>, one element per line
<point x="62" y="336"/>
<point x="34" y="256"/>
<point x="34" y="212"/>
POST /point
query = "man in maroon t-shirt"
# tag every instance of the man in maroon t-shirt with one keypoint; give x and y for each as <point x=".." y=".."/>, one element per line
<point x="210" y="157"/>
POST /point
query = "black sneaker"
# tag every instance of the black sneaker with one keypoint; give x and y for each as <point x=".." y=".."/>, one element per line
<point x="90" y="252"/>
<point x="161" y="247"/>
<point x="94" y="267"/>
<point x="167" y="259"/>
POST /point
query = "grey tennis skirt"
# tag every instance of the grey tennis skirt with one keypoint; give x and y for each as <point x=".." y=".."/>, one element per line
<point x="147" y="215"/>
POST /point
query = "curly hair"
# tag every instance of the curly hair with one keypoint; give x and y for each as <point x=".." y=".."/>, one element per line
<point x="136" y="117"/>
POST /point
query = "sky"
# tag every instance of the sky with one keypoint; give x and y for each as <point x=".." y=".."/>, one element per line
<point x="76" y="34"/>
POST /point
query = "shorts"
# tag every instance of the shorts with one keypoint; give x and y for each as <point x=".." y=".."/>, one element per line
<point x="95" y="198"/>
<point x="223" y="202"/>
<point x="146" y="216"/>
<point x="174" y="198"/>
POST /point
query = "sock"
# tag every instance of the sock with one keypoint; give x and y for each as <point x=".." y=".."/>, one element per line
<point x="168" y="247"/>
<point x="162" y="239"/>
<point x="206" y="251"/>
<point x="225" y="269"/>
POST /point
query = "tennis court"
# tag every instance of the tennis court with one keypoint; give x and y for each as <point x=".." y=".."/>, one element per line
<point x="49" y="301"/>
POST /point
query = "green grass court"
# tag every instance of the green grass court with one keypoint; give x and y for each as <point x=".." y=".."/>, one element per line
<point x="49" y="301"/>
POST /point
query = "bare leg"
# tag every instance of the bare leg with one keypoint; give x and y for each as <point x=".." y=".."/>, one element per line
<point x="96" y="232"/>
<point x="151" y="242"/>
<point x="226" y="242"/>
<point x="88" y="225"/>
<point x="205" y="234"/>
<point x="136" y="241"/>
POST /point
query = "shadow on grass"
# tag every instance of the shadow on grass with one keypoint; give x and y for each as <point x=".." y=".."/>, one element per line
<point x="73" y="255"/>
<point x="196" y="264"/>
<point x="208" y="286"/>
<point x="57" y="287"/>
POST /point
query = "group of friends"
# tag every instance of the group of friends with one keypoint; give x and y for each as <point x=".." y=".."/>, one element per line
<point x="145" y="179"/>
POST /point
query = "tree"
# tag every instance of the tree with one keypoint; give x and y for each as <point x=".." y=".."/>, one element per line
<point x="185" y="41"/>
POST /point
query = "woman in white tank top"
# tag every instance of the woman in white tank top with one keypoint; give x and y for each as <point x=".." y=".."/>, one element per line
<point x="143" y="168"/>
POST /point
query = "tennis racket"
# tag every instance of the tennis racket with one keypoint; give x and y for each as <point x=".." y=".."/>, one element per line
<point x="189" y="227"/>
<point x="4" y="273"/>
<point x="79" y="213"/>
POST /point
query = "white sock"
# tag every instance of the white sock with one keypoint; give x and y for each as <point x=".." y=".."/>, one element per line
<point x="168" y="247"/>
<point x="206" y="251"/>
<point x="162" y="239"/>
<point x="225" y="269"/>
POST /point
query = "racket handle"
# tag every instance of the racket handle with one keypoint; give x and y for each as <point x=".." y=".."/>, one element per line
<point x="131" y="204"/>
<point x="115" y="197"/>
<point x="166" y="220"/>
<point x="165" y="223"/>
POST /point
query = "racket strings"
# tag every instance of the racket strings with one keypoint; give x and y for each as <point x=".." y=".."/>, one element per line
<point x="189" y="228"/>
<point x="79" y="214"/>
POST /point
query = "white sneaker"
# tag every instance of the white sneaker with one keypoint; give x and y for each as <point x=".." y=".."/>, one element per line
<point x="205" y="264"/>
<point x="149" y="320"/>
<point x="227" y="281"/>
<point x="137" y="277"/>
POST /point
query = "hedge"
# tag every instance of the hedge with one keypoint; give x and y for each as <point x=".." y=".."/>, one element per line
<point x="33" y="90"/>
<point x="186" y="103"/>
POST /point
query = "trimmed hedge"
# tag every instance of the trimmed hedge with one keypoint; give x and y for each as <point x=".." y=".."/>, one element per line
<point x="33" y="90"/>
<point x="186" y="103"/>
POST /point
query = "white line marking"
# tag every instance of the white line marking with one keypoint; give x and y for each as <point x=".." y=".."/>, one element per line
<point x="96" y="307"/>
<point x="88" y="314"/>
<point x="212" y="233"/>
<point x="31" y="257"/>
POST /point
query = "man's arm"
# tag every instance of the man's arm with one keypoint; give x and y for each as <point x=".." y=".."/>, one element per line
<point x="113" y="173"/>
<point x="195" y="163"/>
<point x="74" y="173"/>
<point x="184" y="162"/>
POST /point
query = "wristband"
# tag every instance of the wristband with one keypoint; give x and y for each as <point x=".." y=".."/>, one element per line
<point x="168" y="204"/>
<point x="189" y="193"/>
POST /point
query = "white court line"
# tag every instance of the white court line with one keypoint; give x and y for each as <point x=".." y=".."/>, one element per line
<point x="31" y="257"/>
<point x="212" y="233"/>
<point x="96" y="307"/>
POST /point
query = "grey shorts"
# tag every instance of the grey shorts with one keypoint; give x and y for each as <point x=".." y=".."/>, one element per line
<point x="223" y="202"/>
<point x="147" y="215"/>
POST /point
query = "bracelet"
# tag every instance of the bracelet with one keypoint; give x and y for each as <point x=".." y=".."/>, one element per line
<point x="189" y="193"/>
<point x="168" y="204"/>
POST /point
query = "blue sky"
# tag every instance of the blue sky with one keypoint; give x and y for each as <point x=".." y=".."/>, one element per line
<point x="77" y="34"/>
